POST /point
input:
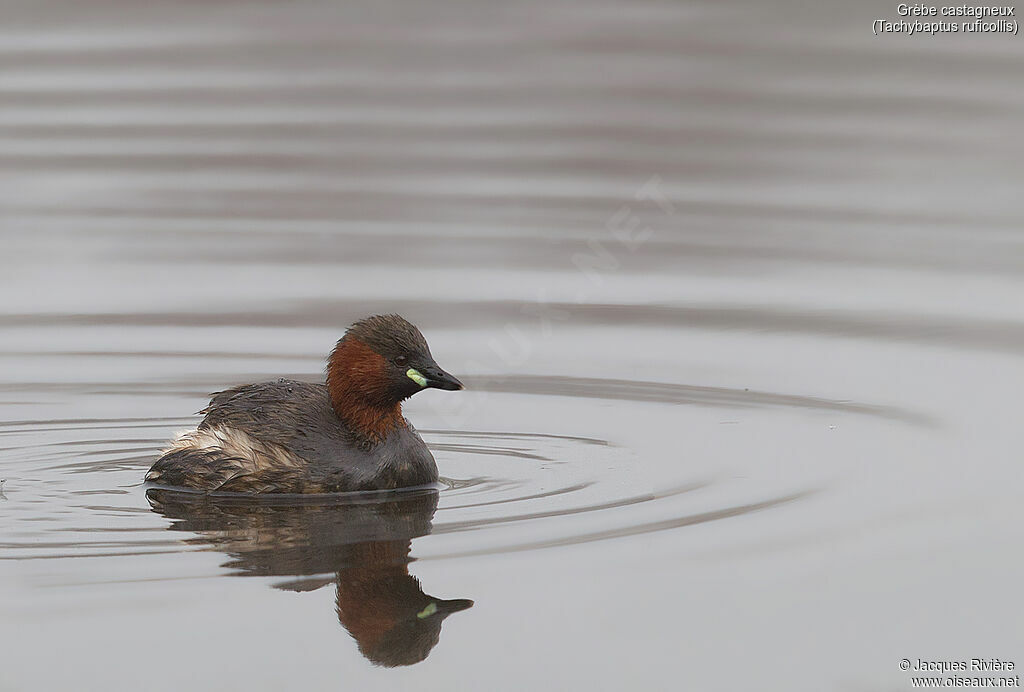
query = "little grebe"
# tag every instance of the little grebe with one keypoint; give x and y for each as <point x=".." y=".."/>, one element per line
<point x="298" y="437"/>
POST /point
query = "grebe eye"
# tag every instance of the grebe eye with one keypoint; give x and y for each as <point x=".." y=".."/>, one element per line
<point x="401" y="360"/>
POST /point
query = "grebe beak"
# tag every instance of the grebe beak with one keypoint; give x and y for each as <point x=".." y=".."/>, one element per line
<point x="439" y="379"/>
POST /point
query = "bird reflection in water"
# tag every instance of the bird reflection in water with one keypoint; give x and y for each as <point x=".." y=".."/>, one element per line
<point x="362" y="539"/>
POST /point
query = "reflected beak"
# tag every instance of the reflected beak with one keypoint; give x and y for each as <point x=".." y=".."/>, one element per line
<point x="444" y="608"/>
<point x="447" y="607"/>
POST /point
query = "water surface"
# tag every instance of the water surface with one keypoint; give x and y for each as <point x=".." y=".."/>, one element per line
<point x="736" y="290"/>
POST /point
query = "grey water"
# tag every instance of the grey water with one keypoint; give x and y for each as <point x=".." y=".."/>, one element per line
<point x="735" y="288"/>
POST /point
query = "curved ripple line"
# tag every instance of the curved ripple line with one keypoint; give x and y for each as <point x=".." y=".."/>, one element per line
<point x="671" y="393"/>
<point x="516" y="435"/>
<point x="634" y="530"/>
<point x="454" y="527"/>
<point x="536" y="496"/>
<point x="495" y="451"/>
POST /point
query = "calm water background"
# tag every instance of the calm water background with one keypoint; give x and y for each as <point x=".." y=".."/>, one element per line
<point x="736" y="288"/>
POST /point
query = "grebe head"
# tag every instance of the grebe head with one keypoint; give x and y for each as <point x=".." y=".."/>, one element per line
<point x="380" y="361"/>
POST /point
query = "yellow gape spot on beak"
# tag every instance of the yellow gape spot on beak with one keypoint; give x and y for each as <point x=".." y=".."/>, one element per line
<point x="416" y="377"/>
<point x="427" y="612"/>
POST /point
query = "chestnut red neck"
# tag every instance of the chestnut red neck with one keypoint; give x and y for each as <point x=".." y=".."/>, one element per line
<point x="360" y="394"/>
